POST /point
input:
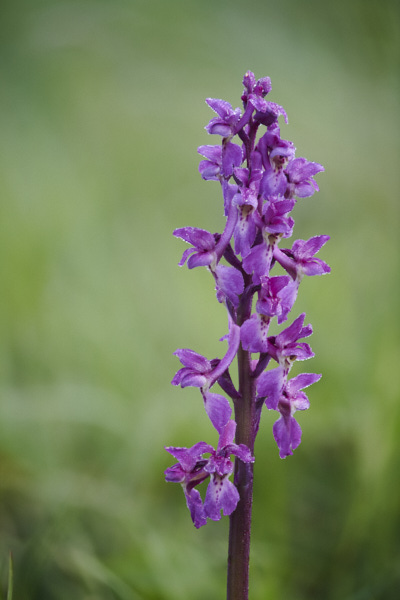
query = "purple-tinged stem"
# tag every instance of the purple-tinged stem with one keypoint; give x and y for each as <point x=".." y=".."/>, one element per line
<point x="246" y="417"/>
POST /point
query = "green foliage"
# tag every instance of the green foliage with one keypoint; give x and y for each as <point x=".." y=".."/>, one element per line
<point x="101" y="110"/>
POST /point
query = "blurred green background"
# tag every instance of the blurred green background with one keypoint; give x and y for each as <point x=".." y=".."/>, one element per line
<point x="102" y="109"/>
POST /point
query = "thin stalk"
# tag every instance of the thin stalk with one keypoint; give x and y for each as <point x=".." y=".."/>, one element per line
<point x="240" y="520"/>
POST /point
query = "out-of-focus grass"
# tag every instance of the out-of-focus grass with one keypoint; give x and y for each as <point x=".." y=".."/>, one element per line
<point x="102" y="108"/>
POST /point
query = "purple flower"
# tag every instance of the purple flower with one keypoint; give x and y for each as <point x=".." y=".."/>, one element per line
<point x="260" y="179"/>
<point x="270" y="295"/>
<point x="270" y="385"/>
<point x="246" y="201"/>
<point x="253" y="88"/>
<point x="227" y="118"/>
<point x="212" y="167"/>
<point x="276" y="153"/>
<point x="269" y="113"/>
<point x="275" y="219"/>
<point x="206" y="252"/>
<point x="254" y="333"/>
<point x="193" y="468"/>
<point x="229" y="284"/>
<point x="221" y="493"/>
<point x="300" y="173"/>
<point x="285" y="347"/>
<point x="196" y="371"/>
<point x="199" y="372"/>
<point x="300" y="260"/>
<point x="304" y="256"/>
<point x="287" y="297"/>
<point x="203" y="252"/>
<point x="190" y="472"/>
<point x="286" y="430"/>
<point x="273" y="224"/>
<point x="286" y="397"/>
<point x="221" y="160"/>
<point x="259" y="259"/>
<point x="253" y="95"/>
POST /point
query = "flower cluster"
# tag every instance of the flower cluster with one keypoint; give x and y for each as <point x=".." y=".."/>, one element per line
<point x="261" y="181"/>
<point x="192" y="468"/>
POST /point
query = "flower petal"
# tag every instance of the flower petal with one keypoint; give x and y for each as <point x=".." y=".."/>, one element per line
<point x="218" y="409"/>
<point x="196" y="508"/>
<point x="287" y="434"/>
<point x="270" y="384"/>
<point x="221" y="495"/>
<point x="193" y="360"/>
<point x="254" y="333"/>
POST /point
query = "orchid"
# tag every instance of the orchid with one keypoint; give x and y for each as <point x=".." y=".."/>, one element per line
<point x="193" y="468"/>
<point x="286" y="430"/>
<point x="220" y="160"/>
<point x="227" y="118"/>
<point x="261" y="182"/>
